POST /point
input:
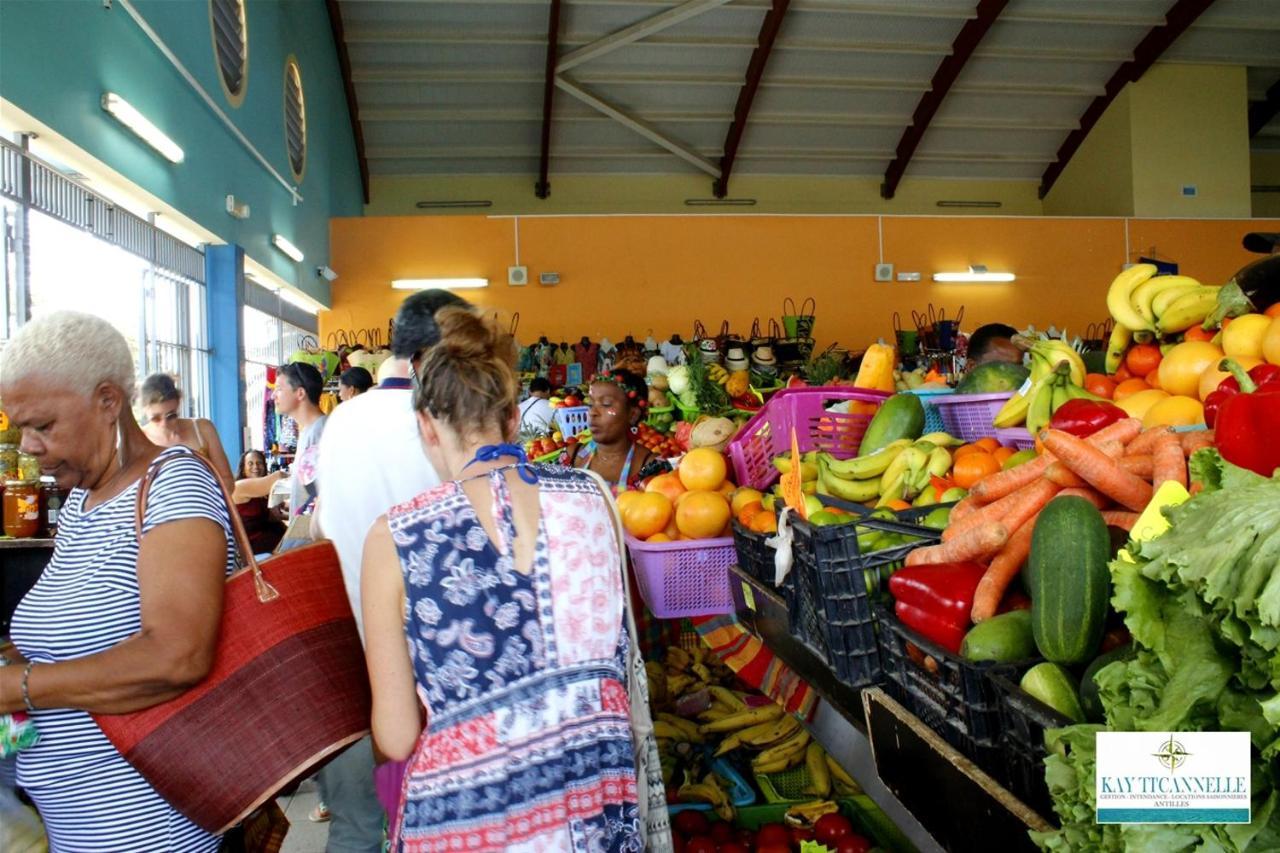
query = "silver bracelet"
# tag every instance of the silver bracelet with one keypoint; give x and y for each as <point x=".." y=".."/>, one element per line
<point x="26" y="695"/>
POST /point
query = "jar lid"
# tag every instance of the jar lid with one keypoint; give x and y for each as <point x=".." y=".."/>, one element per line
<point x="19" y="483"/>
<point x="48" y="480"/>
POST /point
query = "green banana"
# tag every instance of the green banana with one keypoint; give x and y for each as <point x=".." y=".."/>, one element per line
<point x="1041" y="408"/>
<point x="939" y="462"/>
<point x="1117" y="346"/>
<point x="911" y="459"/>
<point x="895" y="491"/>
<point x="862" y="467"/>
<point x="1119" y="295"/>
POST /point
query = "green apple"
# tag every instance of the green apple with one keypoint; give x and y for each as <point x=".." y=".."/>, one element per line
<point x="938" y="519"/>
<point x="1018" y="458"/>
<point x="955" y="493"/>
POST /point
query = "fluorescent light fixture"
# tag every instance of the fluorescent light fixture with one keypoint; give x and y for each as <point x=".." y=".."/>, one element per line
<point x="299" y="300"/>
<point x="125" y="113"/>
<point x="976" y="273"/>
<point x="443" y="283"/>
<point x="288" y="248"/>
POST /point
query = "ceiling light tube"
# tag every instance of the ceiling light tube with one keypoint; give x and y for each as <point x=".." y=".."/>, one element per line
<point x="288" y="248"/>
<point x="443" y="283"/>
<point x="128" y="115"/>
<point x="976" y="273"/>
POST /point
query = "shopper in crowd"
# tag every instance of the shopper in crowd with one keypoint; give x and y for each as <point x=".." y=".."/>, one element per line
<point x="122" y="618"/>
<point x="353" y="382"/>
<point x="618" y="400"/>
<point x="507" y="583"/>
<point x="161" y="398"/>
<point x="536" y="412"/>
<point x="993" y="342"/>
<point x="261" y="522"/>
<point x="371" y="459"/>
<point x="297" y="395"/>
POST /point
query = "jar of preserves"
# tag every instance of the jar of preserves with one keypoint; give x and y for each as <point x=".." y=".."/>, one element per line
<point x="22" y="509"/>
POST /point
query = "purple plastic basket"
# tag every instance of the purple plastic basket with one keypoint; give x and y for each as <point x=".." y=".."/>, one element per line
<point x="1017" y="437"/>
<point x="769" y="433"/>
<point x="969" y="416"/>
<point x="688" y="578"/>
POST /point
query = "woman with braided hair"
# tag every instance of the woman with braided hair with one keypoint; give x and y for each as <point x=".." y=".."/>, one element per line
<point x="618" y="400"/>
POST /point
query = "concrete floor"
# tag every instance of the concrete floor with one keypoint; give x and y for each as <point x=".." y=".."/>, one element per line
<point x="304" y="836"/>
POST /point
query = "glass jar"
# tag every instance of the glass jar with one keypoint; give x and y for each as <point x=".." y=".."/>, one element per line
<point x="28" y="467"/>
<point x="51" y="499"/>
<point x="22" y="509"/>
<point x="9" y="434"/>
<point x="8" y="461"/>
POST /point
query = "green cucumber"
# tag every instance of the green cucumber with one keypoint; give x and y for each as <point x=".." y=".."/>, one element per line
<point x="1004" y="638"/>
<point x="900" y="416"/>
<point x="1053" y="685"/>
<point x="1089" y="700"/>
<point x="1068" y="580"/>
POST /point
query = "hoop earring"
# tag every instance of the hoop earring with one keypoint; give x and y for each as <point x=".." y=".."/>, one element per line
<point x="635" y="430"/>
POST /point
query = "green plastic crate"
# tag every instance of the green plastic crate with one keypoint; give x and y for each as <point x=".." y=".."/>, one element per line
<point x="866" y="816"/>
<point x="785" y="787"/>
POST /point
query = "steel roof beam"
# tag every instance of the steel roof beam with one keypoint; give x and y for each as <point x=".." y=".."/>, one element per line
<point x="1181" y="16"/>
<point x="769" y="29"/>
<point x="971" y="34"/>
<point x="349" y="89"/>
<point x="641" y="29"/>
<point x="542" y="189"/>
<point x="1262" y="112"/>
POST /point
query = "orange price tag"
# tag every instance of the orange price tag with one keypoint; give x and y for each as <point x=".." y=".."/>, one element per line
<point x="791" y="481"/>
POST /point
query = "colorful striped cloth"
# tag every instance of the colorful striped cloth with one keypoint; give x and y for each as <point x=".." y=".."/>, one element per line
<point x="747" y="655"/>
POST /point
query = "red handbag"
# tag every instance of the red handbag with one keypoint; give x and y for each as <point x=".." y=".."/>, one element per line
<point x="288" y="690"/>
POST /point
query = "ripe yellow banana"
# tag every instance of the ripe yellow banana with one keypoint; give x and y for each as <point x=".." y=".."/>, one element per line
<point x="761" y="735"/>
<point x="794" y="744"/>
<point x="815" y="764"/>
<point x="941" y="439"/>
<point x="805" y="815"/>
<point x="1119" y="295"/>
<point x="778" y="766"/>
<point x="1055" y="351"/>
<point x="863" y="467"/>
<point x="688" y="727"/>
<point x="727" y="697"/>
<point x="840" y="777"/>
<point x="743" y="719"/>
<point x="1117" y="346"/>
<point x="1014" y="412"/>
<point x="1189" y="310"/>
<point x="1143" y="296"/>
<point x="664" y="729"/>
<point x="854" y="491"/>
<point x="808" y="469"/>
<point x="911" y="459"/>
<point x="678" y="659"/>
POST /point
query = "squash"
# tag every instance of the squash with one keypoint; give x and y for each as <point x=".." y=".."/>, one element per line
<point x="1068" y="580"/>
<point x="739" y="383"/>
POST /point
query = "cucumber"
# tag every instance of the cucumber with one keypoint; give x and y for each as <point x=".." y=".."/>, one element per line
<point x="1004" y="638"/>
<point x="1090" y="703"/>
<point x="1068" y="580"/>
<point x="1054" y="686"/>
<point x="900" y="416"/>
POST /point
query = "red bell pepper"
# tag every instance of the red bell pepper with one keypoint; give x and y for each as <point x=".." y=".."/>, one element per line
<point x="1248" y="422"/>
<point x="935" y="600"/>
<point x="1082" y="418"/>
<point x="1265" y="376"/>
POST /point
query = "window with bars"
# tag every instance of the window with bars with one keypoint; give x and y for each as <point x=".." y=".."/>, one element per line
<point x="268" y="342"/>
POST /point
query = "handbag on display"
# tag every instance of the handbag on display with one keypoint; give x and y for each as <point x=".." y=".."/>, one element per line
<point x="288" y="689"/>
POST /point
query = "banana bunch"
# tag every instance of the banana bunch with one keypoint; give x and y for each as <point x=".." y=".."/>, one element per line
<point x="1049" y="396"/>
<point x="900" y="468"/>
<point x="1046" y="355"/>
<point x="783" y="756"/>
<point x="1144" y="304"/>
<point x="805" y="815"/>
<point x="717" y="374"/>
<point x="707" y="791"/>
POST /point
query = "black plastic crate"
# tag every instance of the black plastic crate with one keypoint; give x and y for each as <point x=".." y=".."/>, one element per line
<point x="954" y="696"/>
<point x="754" y="556"/>
<point x="1024" y="720"/>
<point x="829" y="607"/>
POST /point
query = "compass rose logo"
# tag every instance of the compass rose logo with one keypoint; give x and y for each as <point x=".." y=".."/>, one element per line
<point x="1171" y="755"/>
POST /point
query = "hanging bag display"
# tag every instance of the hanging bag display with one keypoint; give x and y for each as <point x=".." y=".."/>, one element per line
<point x="288" y="689"/>
<point x="798" y="323"/>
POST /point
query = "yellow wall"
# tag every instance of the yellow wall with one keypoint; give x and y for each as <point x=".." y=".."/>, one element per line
<point x="1266" y="172"/>
<point x="1098" y="181"/>
<point x="513" y="194"/>
<point x="633" y="274"/>
<point x="1190" y="126"/>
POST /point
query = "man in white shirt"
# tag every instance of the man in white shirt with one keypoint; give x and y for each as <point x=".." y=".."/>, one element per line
<point x="536" y="412"/>
<point x="371" y="459"/>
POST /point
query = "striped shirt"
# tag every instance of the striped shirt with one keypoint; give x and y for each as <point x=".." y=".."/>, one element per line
<point x="85" y="602"/>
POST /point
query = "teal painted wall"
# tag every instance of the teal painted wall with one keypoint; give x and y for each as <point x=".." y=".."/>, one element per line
<point x="57" y="57"/>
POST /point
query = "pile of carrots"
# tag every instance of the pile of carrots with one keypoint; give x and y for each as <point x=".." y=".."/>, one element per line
<point x="1117" y="469"/>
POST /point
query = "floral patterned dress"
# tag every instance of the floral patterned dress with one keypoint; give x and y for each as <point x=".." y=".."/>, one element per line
<point x="528" y="741"/>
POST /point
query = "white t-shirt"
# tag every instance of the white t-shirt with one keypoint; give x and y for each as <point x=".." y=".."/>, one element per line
<point x="371" y="459"/>
<point x="535" y="414"/>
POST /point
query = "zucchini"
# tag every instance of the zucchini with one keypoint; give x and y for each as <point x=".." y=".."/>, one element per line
<point x="1089" y="700"/>
<point x="900" y="416"/>
<point x="1068" y="579"/>
<point x="1053" y="685"/>
<point x="1005" y="638"/>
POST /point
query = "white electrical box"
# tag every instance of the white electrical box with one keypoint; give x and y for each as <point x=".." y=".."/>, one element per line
<point x="884" y="272"/>
<point x="549" y="278"/>
<point x="517" y="276"/>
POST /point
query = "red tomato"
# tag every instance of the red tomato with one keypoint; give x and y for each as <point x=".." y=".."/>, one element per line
<point x="733" y="847"/>
<point x="800" y="835"/>
<point x="830" y="828"/>
<point x="700" y="844"/>
<point x="721" y="832"/>
<point x="773" y="833"/>
<point x="773" y="848"/>
<point x="677" y="843"/>
<point x="853" y="843"/>
<point x="690" y="823"/>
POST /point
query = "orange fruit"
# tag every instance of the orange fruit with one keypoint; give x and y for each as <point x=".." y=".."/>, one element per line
<point x="987" y="443"/>
<point x="625" y="499"/>
<point x="965" y="450"/>
<point x="727" y="488"/>
<point x="1198" y="333"/>
<point x="647" y="514"/>
<point x="702" y="514"/>
<point x="703" y="469"/>
<point x="671" y="531"/>
<point x="659" y="537"/>
<point x="972" y="468"/>
<point x="1273" y="311"/>
<point x="1142" y="359"/>
<point x="763" y="522"/>
<point x="1003" y="453"/>
<point x="742" y="497"/>
<point x="1102" y="386"/>
<point x="898" y="505"/>
<point x="1122" y="373"/>
<point x="748" y="512"/>
<point x="1153" y="379"/>
<point x="1129" y="387"/>
<point x="666" y="484"/>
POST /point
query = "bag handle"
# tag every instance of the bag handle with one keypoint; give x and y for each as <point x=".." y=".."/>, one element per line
<point x="788" y="307"/>
<point x="244" y="551"/>
<point x="811" y="304"/>
<point x="775" y="331"/>
<point x="755" y="328"/>
<point x="515" y="324"/>
<point x="699" y="330"/>
<point x="724" y="329"/>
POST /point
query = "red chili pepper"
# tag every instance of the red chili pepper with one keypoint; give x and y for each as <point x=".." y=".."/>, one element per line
<point x="1247" y="422"/>
<point x="1082" y="418"/>
<point x="1265" y="376"/>
<point x="935" y="600"/>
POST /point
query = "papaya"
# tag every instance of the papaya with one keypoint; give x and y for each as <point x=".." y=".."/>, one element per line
<point x="993" y="378"/>
<point x="900" y="416"/>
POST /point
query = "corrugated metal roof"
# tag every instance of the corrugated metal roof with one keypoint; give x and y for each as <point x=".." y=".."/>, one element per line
<point x="456" y="86"/>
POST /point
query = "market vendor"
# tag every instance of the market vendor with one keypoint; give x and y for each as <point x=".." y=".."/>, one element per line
<point x="618" y="400"/>
<point x="993" y="342"/>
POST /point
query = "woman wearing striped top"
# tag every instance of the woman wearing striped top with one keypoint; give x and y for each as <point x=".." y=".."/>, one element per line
<point x="118" y="621"/>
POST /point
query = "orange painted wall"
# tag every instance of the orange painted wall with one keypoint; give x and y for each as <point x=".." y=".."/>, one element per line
<point x="633" y="274"/>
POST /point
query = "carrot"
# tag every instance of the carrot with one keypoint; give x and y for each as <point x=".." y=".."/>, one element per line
<point x="1003" y="569"/>
<point x="1063" y="476"/>
<point x="1193" y="441"/>
<point x="963" y="508"/>
<point x="1140" y="466"/>
<point x="974" y="544"/>
<point x="1167" y="461"/>
<point x="998" y="485"/>
<point x="1120" y="518"/>
<point x="1098" y="469"/>
<point x="985" y="515"/>
<point x="1196" y="488"/>
<point x="1029" y="503"/>
<point x="1093" y="496"/>
<point x="1146" y="442"/>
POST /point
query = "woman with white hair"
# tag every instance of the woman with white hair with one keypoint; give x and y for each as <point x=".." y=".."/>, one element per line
<point x="120" y="620"/>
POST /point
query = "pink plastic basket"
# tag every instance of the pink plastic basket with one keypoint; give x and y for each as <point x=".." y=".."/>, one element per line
<point x="969" y="416"/>
<point x="769" y="433"/>
<point x="1015" y="436"/>
<point x="679" y="579"/>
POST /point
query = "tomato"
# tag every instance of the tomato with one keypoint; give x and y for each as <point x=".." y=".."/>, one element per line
<point x="1142" y="359"/>
<point x="773" y="833"/>
<point x="721" y="832"/>
<point x="799" y="835"/>
<point x="1122" y="373"/>
<point x="1102" y="386"/>
<point x="690" y="822"/>
<point x="733" y="847"/>
<point x="677" y="843"/>
<point x="830" y="828"/>
<point x="773" y="848"/>
<point x="853" y="843"/>
<point x="700" y="844"/>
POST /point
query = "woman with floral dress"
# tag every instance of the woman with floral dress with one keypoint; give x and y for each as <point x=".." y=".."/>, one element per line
<point x="496" y="645"/>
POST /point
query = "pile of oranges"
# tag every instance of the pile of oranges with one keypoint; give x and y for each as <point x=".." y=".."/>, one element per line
<point x="974" y="461"/>
<point x="692" y="502"/>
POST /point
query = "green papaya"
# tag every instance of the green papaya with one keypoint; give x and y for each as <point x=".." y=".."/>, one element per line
<point x="900" y="416"/>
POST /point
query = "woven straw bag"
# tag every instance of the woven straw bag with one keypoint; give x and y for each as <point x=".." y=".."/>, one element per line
<point x="288" y="689"/>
